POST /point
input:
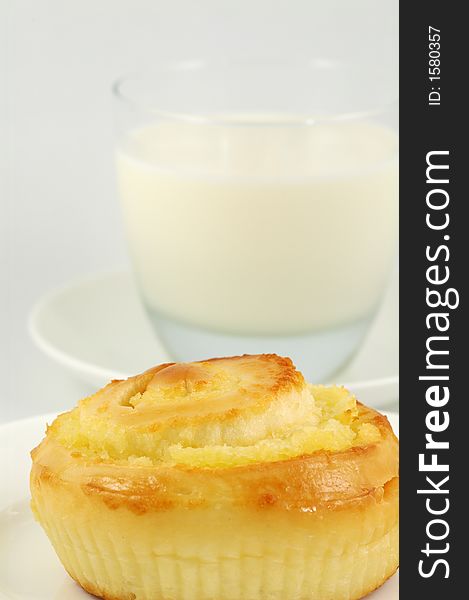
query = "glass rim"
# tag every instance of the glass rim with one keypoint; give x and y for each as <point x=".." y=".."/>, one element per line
<point x="268" y="119"/>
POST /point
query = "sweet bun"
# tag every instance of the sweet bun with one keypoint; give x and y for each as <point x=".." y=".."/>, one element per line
<point x="225" y="479"/>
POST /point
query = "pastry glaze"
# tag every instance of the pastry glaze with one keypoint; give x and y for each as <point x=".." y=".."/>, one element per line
<point x="129" y="521"/>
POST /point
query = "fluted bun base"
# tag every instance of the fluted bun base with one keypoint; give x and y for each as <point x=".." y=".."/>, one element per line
<point x="207" y="554"/>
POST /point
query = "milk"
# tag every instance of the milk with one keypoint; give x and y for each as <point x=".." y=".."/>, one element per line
<point x="266" y="230"/>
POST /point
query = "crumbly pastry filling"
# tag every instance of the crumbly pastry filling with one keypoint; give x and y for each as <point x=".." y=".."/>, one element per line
<point x="214" y="414"/>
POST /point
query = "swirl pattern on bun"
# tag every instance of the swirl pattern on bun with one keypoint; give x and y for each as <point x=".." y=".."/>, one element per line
<point x="227" y="479"/>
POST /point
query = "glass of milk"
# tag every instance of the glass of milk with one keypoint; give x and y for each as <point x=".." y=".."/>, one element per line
<point x="260" y="205"/>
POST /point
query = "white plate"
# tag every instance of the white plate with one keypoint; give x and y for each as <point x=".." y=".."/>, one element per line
<point x="29" y="568"/>
<point x="97" y="329"/>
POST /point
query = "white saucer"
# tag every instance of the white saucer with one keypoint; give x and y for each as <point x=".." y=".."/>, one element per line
<point x="97" y="329"/>
<point x="29" y="568"/>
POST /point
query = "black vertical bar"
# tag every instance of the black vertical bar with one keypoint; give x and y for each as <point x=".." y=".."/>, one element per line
<point x="433" y="118"/>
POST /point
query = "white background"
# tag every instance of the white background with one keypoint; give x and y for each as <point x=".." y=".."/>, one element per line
<point x="59" y="217"/>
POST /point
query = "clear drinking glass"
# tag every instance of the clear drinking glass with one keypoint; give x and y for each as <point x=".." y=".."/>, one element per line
<point x="260" y="205"/>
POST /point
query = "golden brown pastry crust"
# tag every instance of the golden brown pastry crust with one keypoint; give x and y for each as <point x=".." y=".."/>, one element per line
<point x="258" y="381"/>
